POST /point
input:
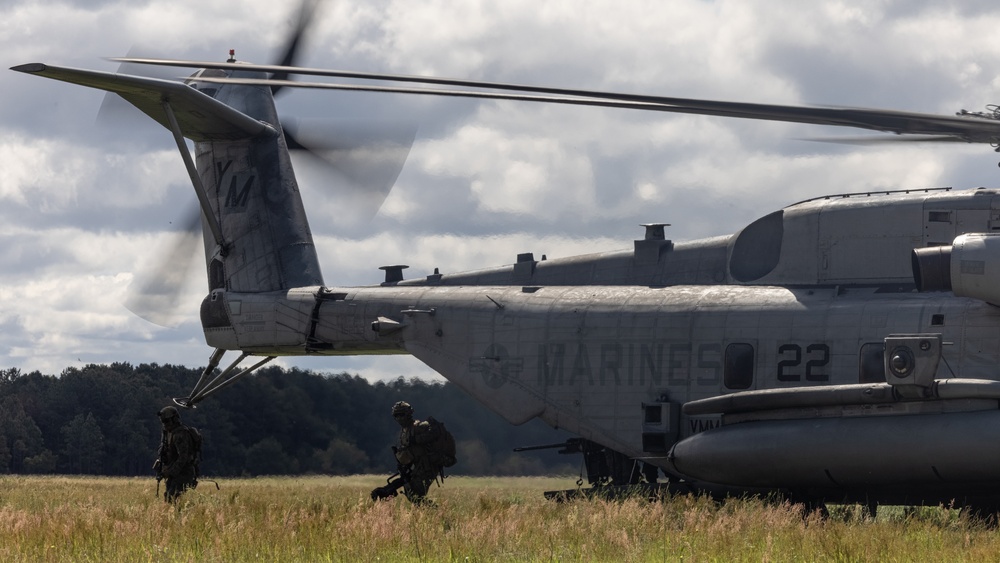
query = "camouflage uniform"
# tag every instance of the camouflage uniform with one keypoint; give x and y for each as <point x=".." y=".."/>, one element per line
<point x="412" y="453"/>
<point x="176" y="455"/>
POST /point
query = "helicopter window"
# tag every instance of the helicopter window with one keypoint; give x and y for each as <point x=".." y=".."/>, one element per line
<point x="939" y="216"/>
<point x="653" y="414"/>
<point x="872" y="366"/>
<point x="739" y="366"/>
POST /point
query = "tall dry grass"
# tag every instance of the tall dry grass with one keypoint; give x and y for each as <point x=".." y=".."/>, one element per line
<point x="474" y="519"/>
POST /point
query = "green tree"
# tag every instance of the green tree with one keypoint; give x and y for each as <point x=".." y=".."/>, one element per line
<point x="44" y="462"/>
<point x="102" y="419"/>
<point x="83" y="445"/>
<point x="342" y="458"/>
<point x="475" y="457"/>
<point x="4" y="455"/>
<point x="267" y="457"/>
<point x="23" y="437"/>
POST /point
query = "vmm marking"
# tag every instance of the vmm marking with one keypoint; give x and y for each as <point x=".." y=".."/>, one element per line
<point x="236" y="197"/>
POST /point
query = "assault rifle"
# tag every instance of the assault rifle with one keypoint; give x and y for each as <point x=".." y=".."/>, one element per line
<point x="158" y="464"/>
<point x="393" y="483"/>
<point x="158" y="470"/>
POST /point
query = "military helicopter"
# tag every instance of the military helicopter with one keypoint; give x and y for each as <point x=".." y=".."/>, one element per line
<point x="840" y="349"/>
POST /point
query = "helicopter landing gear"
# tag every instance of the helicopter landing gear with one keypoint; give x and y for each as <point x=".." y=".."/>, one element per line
<point x="208" y="385"/>
<point x="610" y="473"/>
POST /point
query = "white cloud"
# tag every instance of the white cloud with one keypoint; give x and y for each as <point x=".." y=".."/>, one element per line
<point x="83" y="213"/>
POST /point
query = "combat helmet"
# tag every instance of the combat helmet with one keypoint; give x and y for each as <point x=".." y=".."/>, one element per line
<point x="168" y="413"/>
<point x="402" y="408"/>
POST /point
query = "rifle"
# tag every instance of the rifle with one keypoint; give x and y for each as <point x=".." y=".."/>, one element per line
<point x="158" y="464"/>
<point x="393" y="483"/>
<point x="158" y="470"/>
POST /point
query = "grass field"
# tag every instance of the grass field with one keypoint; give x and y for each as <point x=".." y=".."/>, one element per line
<point x="474" y="519"/>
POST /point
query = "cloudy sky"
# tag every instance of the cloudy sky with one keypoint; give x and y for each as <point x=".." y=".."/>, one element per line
<point x="85" y="208"/>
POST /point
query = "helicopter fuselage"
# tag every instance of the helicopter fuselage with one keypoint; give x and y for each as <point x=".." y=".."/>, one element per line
<point x="594" y="360"/>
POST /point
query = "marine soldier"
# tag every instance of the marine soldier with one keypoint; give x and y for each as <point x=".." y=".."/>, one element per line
<point x="177" y="458"/>
<point x="415" y="458"/>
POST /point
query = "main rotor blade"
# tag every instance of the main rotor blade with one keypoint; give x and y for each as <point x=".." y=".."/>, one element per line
<point x="968" y="127"/>
<point x="452" y="93"/>
<point x="881" y="140"/>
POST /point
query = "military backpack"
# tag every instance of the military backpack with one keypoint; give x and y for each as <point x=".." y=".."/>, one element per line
<point x="442" y="448"/>
<point x="196" y="452"/>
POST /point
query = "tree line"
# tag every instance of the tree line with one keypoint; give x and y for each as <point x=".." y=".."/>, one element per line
<point x="101" y="420"/>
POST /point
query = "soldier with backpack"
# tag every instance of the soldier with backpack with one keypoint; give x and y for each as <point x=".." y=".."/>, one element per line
<point x="179" y="455"/>
<point x="425" y="448"/>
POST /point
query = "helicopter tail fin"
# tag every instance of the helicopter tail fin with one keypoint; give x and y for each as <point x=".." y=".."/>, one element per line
<point x="258" y="238"/>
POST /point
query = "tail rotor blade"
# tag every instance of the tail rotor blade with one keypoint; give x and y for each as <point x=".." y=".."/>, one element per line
<point x="356" y="162"/>
<point x="290" y="54"/>
<point x="155" y="296"/>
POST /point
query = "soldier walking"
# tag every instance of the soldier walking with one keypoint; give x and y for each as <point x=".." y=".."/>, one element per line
<point x="425" y="448"/>
<point x="419" y="452"/>
<point x="177" y="459"/>
<point x="412" y="452"/>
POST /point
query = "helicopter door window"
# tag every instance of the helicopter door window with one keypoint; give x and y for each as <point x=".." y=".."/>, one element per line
<point x="216" y="275"/>
<point x="871" y="363"/>
<point x="739" y="366"/>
